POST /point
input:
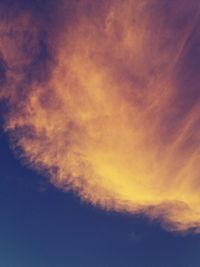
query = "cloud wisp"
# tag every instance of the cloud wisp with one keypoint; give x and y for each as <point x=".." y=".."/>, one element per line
<point x="103" y="97"/>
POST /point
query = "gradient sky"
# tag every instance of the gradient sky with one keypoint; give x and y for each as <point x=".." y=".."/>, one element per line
<point x="42" y="225"/>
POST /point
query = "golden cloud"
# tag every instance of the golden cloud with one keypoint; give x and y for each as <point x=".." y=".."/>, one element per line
<point x="112" y="111"/>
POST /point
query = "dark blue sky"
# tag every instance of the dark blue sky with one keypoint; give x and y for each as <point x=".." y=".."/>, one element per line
<point x="41" y="226"/>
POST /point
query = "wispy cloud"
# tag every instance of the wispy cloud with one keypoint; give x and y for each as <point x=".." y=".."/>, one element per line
<point x="103" y="97"/>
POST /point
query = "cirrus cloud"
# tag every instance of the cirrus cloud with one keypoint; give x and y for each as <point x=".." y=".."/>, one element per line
<point x="103" y="96"/>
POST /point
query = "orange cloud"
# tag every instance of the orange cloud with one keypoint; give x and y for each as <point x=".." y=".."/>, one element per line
<point x="112" y="119"/>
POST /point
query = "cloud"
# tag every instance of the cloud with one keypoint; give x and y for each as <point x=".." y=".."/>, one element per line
<point x="102" y="96"/>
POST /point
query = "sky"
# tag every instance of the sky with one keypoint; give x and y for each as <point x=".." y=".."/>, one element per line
<point x="99" y="135"/>
<point x="45" y="227"/>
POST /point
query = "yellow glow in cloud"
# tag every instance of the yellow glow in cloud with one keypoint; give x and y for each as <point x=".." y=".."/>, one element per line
<point x="108" y="123"/>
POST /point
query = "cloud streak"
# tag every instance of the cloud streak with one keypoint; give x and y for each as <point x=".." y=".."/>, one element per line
<point x="103" y="97"/>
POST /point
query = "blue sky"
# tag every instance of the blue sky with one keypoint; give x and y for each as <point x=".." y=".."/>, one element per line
<point x="44" y="227"/>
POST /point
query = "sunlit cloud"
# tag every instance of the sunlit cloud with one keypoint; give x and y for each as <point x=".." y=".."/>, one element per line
<point x="103" y="97"/>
